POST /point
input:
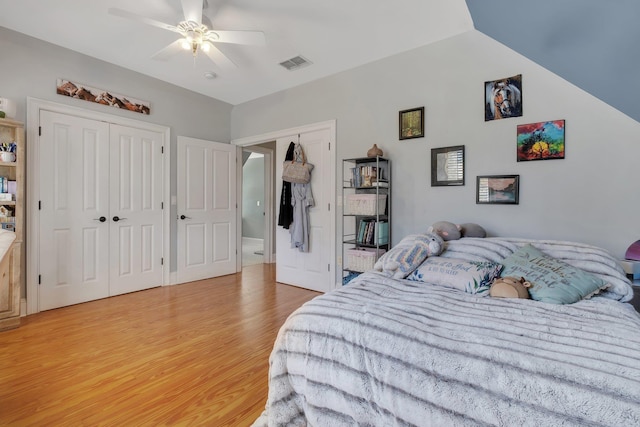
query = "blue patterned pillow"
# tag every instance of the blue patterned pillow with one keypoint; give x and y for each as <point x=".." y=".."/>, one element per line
<point x="403" y="258"/>
<point x="474" y="277"/>
<point x="552" y="280"/>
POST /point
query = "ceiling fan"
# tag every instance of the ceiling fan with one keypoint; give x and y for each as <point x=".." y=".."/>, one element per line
<point x="195" y="36"/>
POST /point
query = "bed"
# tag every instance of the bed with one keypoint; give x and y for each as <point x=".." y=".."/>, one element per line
<point x="398" y="352"/>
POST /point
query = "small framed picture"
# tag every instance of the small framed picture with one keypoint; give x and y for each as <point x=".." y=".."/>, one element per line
<point x="498" y="189"/>
<point x="503" y="98"/>
<point x="447" y="166"/>
<point x="412" y="123"/>
<point x="540" y="141"/>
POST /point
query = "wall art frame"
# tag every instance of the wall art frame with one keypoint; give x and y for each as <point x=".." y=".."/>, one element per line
<point x="447" y="166"/>
<point x="411" y="123"/>
<point x="498" y="189"/>
<point x="101" y="96"/>
<point x="540" y="141"/>
<point x="503" y="98"/>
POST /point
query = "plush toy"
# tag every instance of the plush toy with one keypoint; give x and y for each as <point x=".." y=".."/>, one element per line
<point x="510" y="287"/>
<point x="470" y="229"/>
<point x="407" y="255"/>
<point x="445" y="229"/>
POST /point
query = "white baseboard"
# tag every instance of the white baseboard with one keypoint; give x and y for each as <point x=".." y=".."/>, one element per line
<point x="23" y="307"/>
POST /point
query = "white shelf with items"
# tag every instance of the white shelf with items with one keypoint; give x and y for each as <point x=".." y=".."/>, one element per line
<point x="366" y="217"/>
<point x="12" y="217"/>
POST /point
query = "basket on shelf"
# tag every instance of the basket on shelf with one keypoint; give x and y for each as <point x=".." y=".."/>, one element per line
<point x="362" y="259"/>
<point x="365" y="204"/>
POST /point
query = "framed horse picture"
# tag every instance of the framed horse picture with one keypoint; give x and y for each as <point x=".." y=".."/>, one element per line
<point x="503" y="98"/>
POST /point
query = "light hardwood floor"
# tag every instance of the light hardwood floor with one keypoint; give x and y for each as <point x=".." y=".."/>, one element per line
<point x="191" y="354"/>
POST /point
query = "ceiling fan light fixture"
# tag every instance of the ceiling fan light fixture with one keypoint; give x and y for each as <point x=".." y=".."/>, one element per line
<point x="206" y="47"/>
<point x="186" y="45"/>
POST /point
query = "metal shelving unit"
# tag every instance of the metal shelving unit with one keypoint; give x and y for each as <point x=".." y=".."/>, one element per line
<point x="366" y="214"/>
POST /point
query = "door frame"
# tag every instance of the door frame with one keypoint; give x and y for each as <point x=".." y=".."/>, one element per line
<point x="34" y="106"/>
<point x="269" y="223"/>
<point x="272" y="136"/>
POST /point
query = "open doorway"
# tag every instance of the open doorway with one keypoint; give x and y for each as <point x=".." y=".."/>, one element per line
<point x="257" y="204"/>
<point x="315" y="270"/>
<point x="253" y="212"/>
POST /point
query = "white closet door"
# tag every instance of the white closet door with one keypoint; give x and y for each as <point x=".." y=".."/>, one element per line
<point x="206" y="209"/>
<point x="74" y="188"/>
<point x="135" y="209"/>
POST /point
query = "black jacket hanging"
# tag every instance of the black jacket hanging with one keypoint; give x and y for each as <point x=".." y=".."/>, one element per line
<point x="285" y="217"/>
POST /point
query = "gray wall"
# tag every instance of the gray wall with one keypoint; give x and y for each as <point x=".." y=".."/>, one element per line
<point x="30" y="67"/>
<point x="591" y="43"/>
<point x="253" y="192"/>
<point x="591" y="196"/>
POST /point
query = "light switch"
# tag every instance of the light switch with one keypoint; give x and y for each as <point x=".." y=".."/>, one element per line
<point x="258" y="203"/>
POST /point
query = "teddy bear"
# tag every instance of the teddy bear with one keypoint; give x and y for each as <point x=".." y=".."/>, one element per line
<point x="510" y="287"/>
<point x="445" y="229"/>
<point x="407" y="255"/>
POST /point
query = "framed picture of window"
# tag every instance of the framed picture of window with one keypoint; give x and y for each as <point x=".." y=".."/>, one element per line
<point x="412" y="123"/>
<point x="498" y="189"/>
<point x="447" y="166"/>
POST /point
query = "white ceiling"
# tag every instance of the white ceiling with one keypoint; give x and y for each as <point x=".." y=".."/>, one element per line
<point x="335" y="35"/>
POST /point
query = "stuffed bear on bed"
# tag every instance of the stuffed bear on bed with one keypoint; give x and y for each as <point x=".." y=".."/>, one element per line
<point x="407" y="255"/>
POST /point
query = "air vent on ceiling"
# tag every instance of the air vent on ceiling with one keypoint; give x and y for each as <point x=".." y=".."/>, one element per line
<point x="295" y="63"/>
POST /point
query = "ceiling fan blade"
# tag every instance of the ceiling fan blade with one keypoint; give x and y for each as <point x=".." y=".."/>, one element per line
<point x="134" y="16"/>
<point x="255" y="38"/>
<point x="192" y="10"/>
<point x="168" y="51"/>
<point x="220" y="59"/>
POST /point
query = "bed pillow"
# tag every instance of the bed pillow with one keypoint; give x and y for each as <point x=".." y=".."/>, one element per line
<point x="407" y="255"/>
<point x="474" y="277"/>
<point x="552" y="280"/>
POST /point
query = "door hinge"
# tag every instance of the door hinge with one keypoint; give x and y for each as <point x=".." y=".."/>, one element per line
<point x="161" y="261"/>
<point x="328" y="267"/>
<point x="39" y="130"/>
<point x="39" y="279"/>
<point x="39" y="205"/>
<point x="161" y="205"/>
<point x="162" y="149"/>
<point x="329" y="146"/>
<point x="328" y="206"/>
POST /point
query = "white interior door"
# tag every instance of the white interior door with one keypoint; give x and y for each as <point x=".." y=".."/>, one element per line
<point x="135" y="209"/>
<point x="74" y="188"/>
<point x="206" y="206"/>
<point x="311" y="270"/>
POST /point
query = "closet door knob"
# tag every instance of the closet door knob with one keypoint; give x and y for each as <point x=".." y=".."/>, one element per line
<point x="184" y="217"/>
<point x="101" y="219"/>
<point x="116" y="219"/>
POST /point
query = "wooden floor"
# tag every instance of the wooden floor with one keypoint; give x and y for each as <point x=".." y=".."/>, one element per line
<point x="191" y="354"/>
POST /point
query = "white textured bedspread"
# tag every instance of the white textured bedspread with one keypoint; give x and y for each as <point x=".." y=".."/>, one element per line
<point x="385" y="352"/>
